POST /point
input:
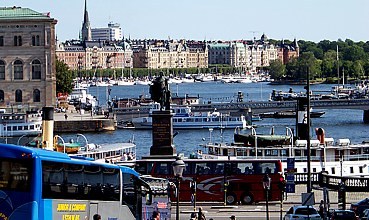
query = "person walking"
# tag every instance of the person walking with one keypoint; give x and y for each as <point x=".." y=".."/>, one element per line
<point x="201" y="215"/>
<point x="155" y="215"/>
<point x="232" y="217"/>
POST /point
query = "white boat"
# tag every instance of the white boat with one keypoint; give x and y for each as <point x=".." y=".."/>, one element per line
<point x="341" y="157"/>
<point x="117" y="153"/>
<point x="184" y="118"/>
<point x="125" y="82"/>
<point x="20" y="124"/>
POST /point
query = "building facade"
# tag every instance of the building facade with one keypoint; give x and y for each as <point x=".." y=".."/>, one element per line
<point x="88" y="55"/>
<point x="27" y="59"/>
<point x="288" y="51"/>
<point x="112" y="33"/>
<point x="249" y="56"/>
<point x="159" y="54"/>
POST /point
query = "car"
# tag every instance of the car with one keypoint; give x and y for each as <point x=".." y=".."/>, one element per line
<point x="365" y="215"/>
<point x="302" y="212"/>
<point x="339" y="214"/>
<point x="360" y="206"/>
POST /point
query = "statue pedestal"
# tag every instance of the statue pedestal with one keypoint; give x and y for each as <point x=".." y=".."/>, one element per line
<point x="162" y="134"/>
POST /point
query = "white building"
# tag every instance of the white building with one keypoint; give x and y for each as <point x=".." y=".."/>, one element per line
<point x="112" y="33"/>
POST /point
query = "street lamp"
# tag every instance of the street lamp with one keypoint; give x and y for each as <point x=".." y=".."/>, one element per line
<point x="253" y="132"/>
<point x="266" y="185"/>
<point x="178" y="167"/>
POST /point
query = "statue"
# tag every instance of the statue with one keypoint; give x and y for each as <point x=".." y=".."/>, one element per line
<point x="160" y="92"/>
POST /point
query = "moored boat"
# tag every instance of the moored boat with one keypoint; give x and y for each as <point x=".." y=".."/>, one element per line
<point x="184" y="118"/>
<point x="340" y="157"/>
<point x="20" y="124"/>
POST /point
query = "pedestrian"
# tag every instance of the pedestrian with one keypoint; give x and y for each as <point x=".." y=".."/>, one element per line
<point x="65" y="116"/>
<point x="193" y="216"/>
<point x="201" y="215"/>
<point x="232" y="217"/>
<point x="155" y="215"/>
<point x="321" y="208"/>
<point x="97" y="217"/>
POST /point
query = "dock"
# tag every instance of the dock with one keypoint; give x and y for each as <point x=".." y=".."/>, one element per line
<point x="73" y="121"/>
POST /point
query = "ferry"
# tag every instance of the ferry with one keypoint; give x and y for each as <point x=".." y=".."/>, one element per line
<point x="184" y="118"/>
<point x="336" y="157"/>
<point x="20" y="124"/>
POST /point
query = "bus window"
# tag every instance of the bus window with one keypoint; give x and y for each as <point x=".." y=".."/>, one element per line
<point x="202" y="168"/>
<point x="269" y="168"/>
<point x="219" y="168"/>
<point x="93" y="180"/>
<point x="246" y="168"/>
<point x="111" y="184"/>
<point x="162" y="168"/>
<point x="15" y="175"/>
<point x="74" y="180"/>
<point x="53" y="179"/>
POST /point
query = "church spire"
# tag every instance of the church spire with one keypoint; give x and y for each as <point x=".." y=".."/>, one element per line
<point x="86" y="28"/>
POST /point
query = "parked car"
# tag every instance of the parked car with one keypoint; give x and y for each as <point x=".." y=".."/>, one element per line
<point x="339" y="214"/>
<point x="365" y="215"/>
<point x="360" y="206"/>
<point x="302" y="212"/>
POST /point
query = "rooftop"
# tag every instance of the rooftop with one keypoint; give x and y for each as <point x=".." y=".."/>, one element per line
<point x="21" y="13"/>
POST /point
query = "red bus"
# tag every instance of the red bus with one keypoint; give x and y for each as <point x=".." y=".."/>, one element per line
<point x="243" y="178"/>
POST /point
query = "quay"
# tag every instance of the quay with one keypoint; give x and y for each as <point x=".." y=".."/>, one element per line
<point x="73" y="121"/>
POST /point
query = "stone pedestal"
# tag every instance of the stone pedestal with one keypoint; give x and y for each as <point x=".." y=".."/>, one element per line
<point x="162" y="135"/>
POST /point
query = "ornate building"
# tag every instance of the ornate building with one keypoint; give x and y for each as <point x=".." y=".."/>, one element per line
<point x="288" y="51"/>
<point x="249" y="56"/>
<point x="158" y="54"/>
<point x="27" y="59"/>
<point x="86" y="27"/>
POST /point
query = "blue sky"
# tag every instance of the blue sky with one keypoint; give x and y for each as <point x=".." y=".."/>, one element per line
<point x="312" y="20"/>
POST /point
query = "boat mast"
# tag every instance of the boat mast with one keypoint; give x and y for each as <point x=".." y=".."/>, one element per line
<point x="338" y="68"/>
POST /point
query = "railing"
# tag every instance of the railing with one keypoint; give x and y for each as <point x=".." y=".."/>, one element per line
<point x="351" y="184"/>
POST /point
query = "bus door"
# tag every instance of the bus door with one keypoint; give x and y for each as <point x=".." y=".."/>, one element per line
<point x="94" y="208"/>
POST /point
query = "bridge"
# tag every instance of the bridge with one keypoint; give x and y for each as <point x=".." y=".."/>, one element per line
<point x="262" y="107"/>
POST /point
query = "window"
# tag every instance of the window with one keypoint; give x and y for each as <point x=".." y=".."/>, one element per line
<point x="35" y="40"/>
<point x="17" y="40"/>
<point x="18" y="69"/>
<point x="351" y="170"/>
<point x="36" y="95"/>
<point x="1" y="96"/>
<point x="18" y="95"/>
<point x="16" y="175"/>
<point x="2" y="70"/>
<point x="36" y="69"/>
<point x="1" y="41"/>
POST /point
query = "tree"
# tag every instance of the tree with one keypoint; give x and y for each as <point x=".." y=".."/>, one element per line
<point x="277" y="69"/>
<point x="64" y="78"/>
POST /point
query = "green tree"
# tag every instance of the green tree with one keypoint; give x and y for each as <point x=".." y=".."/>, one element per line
<point x="277" y="69"/>
<point x="64" y="78"/>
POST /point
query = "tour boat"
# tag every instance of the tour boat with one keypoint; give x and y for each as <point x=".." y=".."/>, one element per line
<point x="184" y="118"/>
<point x="340" y="157"/>
<point x="20" y="124"/>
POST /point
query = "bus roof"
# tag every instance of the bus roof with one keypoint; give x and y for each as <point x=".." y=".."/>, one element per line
<point x="19" y="152"/>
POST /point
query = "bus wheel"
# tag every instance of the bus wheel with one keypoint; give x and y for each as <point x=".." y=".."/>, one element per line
<point x="247" y="199"/>
<point x="231" y="198"/>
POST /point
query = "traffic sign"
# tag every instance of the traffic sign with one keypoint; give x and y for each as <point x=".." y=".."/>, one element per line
<point x="308" y="198"/>
<point x="290" y="187"/>
<point x="290" y="178"/>
<point x="290" y="163"/>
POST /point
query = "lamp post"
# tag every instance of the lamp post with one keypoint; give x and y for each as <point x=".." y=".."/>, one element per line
<point x="266" y="185"/>
<point x="288" y="129"/>
<point x="253" y="132"/>
<point x="178" y="167"/>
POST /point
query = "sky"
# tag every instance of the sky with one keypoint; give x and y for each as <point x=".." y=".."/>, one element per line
<point x="311" y="20"/>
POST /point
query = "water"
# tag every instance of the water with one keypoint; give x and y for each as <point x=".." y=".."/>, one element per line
<point x="338" y="123"/>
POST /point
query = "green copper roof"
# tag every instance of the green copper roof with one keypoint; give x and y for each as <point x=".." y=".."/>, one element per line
<point x="20" y="13"/>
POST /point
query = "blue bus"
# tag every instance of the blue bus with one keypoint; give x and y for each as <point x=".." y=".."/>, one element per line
<point x="38" y="184"/>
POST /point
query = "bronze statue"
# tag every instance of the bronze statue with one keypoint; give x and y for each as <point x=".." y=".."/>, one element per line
<point x="160" y="92"/>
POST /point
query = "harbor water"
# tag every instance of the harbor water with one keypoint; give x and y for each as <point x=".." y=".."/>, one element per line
<point x="338" y="123"/>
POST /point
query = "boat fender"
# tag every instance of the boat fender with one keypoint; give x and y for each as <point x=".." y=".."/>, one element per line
<point x="320" y="134"/>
